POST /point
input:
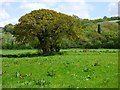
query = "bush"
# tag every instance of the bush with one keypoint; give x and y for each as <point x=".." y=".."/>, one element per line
<point x="8" y="42"/>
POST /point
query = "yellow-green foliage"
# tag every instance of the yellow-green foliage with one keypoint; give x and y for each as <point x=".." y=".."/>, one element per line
<point x="48" y="26"/>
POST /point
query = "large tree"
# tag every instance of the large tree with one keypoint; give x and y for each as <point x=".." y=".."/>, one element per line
<point x="47" y="26"/>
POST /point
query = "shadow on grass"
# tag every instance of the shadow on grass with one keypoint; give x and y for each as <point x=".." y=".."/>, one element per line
<point x="28" y="55"/>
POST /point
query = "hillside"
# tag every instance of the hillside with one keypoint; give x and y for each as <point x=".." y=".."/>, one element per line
<point x="89" y="36"/>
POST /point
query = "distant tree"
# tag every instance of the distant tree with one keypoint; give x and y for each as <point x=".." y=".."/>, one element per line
<point x="118" y="23"/>
<point x="98" y="20"/>
<point x="75" y="16"/>
<point x="105" y="18"/>
<point x="96" y="40"/>
<point x="99" y="29"/>
<point x="115" y="18"/>
<point x="48" y="26"/>
<point x="9" y="28"/>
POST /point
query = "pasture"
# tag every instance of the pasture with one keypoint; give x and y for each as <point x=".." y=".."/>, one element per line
<point x="72" y="68"/>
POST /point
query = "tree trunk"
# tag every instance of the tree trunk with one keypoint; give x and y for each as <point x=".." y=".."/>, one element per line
<point x="46" y="51"/>
<point x="99" y="29"/>
<point x="45" y="48"/>
<point x="57" y="49"/>
<point x="52" y="49"/>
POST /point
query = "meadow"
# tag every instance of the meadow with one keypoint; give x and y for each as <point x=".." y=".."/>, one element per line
<point x="71" y="68"/>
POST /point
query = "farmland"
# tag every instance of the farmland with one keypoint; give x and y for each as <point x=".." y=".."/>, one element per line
<point x="47" y="49"/>
<point x="71" y="68"/>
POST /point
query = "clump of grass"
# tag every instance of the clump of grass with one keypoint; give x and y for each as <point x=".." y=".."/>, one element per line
<point x="42" y="82"/>
<point x="51" y="73"/>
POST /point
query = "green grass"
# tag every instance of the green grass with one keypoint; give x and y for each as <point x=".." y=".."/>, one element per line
<point x="75" y="68"/>
<point x="15" y="52"/>
<point x="0" y="73"/>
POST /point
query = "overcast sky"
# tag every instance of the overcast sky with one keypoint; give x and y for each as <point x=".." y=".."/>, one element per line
<point x="11" y="11"/>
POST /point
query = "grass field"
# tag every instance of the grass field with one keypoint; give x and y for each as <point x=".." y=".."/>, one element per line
<point x="74" y="68"/>
<point x="0" y="72"/>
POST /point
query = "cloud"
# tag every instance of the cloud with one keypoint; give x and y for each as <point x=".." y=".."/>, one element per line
<point x="113" y="8"/>
<point x="38" y="4"/>
<point x="49" y="1"/>
<point x="7" y="1"/>
<point x="81" y="9"/>
<point x="3" y="14"/>
<point x="12" y="21"/>
<point x="32" y="6"/>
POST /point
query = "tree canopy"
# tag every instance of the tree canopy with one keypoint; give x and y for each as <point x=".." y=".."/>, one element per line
<point x="9" y="28"/>
<point x="46" y="26"/>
